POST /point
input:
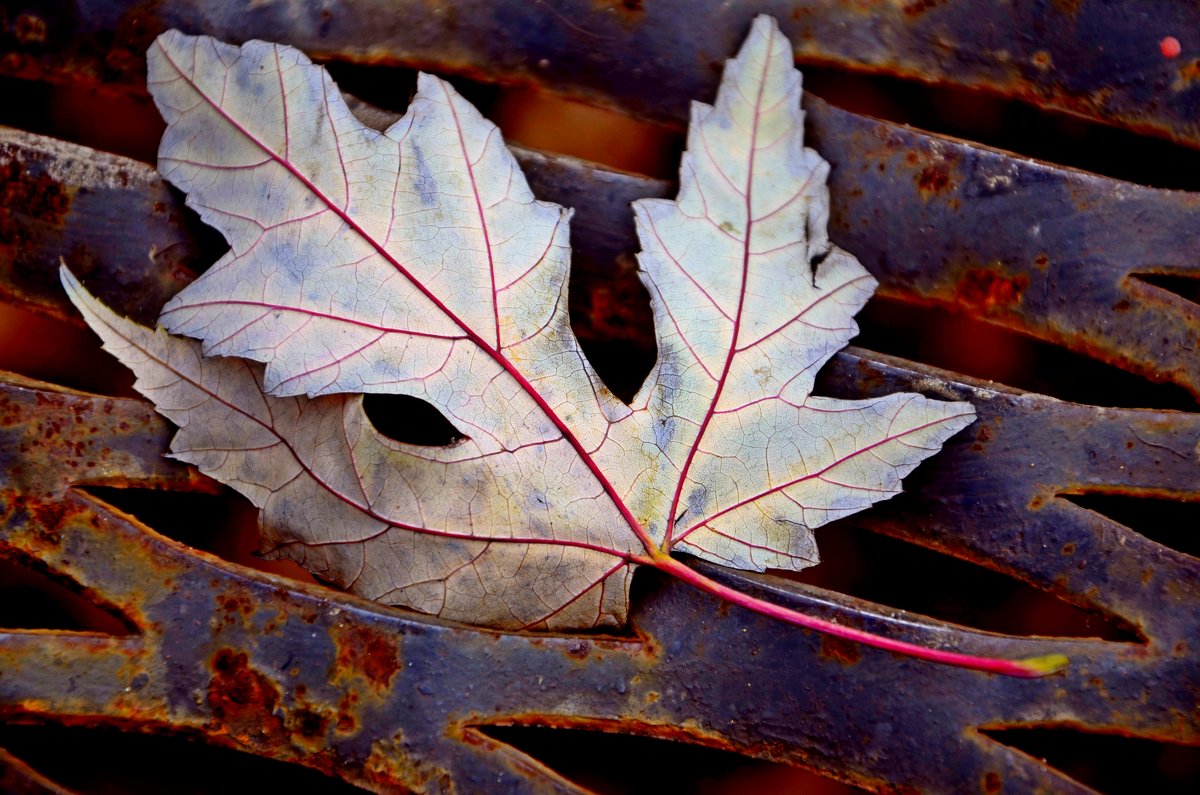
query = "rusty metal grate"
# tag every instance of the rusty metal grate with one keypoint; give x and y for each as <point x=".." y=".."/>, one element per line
<point x="388" y="700"/>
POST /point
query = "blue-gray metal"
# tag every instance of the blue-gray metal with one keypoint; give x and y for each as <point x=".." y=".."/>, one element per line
<point x="390" y="700"/>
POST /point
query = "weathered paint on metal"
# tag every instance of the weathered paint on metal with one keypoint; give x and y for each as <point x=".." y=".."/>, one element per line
<point x="112" y="219"/>
<point x="390" y="700"/>
<point x="1060" y="260"/>
<point x="1051" y="252"/>
<point x="386" y="699"/>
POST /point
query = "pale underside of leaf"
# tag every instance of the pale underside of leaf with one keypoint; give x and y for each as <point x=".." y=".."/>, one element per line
<point x="412" y="261"/>
<point x="397" y="524"/>
<point x="416" y="261"/>
<point x="745" y="322"/>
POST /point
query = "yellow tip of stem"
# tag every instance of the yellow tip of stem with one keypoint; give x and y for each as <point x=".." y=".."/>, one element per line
<point x="1045" y="665"/>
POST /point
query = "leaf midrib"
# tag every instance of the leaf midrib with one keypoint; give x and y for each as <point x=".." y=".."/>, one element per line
<point x="710" y="412"/>
<point x="307" y="469"/>
<point x="639" y="532"/>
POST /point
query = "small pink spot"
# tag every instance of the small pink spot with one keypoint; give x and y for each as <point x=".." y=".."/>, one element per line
<point x="1170" y="47"/>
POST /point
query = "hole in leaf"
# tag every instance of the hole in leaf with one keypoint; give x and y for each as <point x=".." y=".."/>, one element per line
<point x="1172" y="523"/>
<point x="103" y="761"/>
<point x="33" y="599"/>
<point x="1012" y="125"/>
<point x="410" y="420"/>
<point x="861" y="563"/>
<point x="224" y="524"/>
<point x="951" y="340"/>
<point x="652" y="766"/>
<point x="1111" y="764"/>
<point x="1184" y="286"/>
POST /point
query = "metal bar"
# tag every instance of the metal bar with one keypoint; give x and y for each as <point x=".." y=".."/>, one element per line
<point x="390" y="700"/>
<point x="385" y="699"/>
<point x="1059" y="261"/>
<point x="18" y="778"/>
<point x="1092" y="58"/>
<point x="116" y="223"/>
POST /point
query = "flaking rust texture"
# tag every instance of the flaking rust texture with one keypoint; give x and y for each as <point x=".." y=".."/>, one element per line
<point x="393" y="701"/>
<point x="389" y="700"/>
<point x="1061" y="258"/>
<point x="111" y="218"/>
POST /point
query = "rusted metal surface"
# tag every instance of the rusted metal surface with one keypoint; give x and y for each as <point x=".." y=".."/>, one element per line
<point x="389" y="700"/>
<point x="386" y="699"/>
<point x="1060" y="260"/>
<point x="1051" y="252"/>
<point x="111" y="218"/>
<point x="1091" y="57"/>
<point x="1006" y="480"/>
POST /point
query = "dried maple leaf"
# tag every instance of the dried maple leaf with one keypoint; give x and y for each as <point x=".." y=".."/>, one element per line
<point x="416" y="261"/>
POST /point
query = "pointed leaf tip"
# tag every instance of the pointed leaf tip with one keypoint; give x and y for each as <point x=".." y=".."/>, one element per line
<point x="755" y="461"/>
<point x="417" y="261"/>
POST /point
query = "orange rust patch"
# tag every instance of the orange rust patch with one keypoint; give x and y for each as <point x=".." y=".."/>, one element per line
<point x="347" y="723"/>
<point x="371" y="654"/>
<point x="840" y="650"/>
<point x="916" y="8"/>
<point x="578" y="649"/>
<point x="309" y="726"/>
<point x="1067" y="7"/>
<point x="989" y="289"/>
<point x="48" y="514"/>
<point x="236" y="604"/>
<point x="390" y="767"/>
<point x="243" y="700"/>
<point x="934" y="179"/>
<point x="1189" y="73"/>
<point x="982" y="438"/>
<point x="248" y="706"/>
<point x="25" y="199"/>
<point x="29" y="29"/>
